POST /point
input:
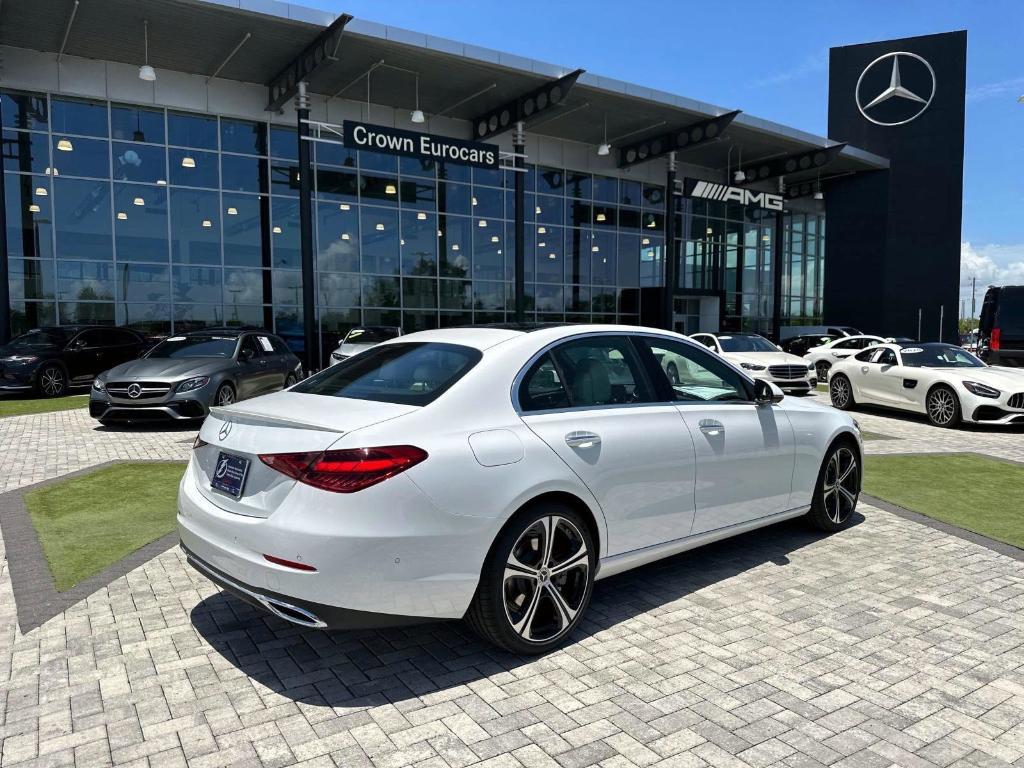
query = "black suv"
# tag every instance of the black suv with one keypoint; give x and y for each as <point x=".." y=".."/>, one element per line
<point x="49" y="360"/>
<point x="1001" y="327"/>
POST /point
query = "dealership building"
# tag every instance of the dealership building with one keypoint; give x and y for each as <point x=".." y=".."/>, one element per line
<point x="153" y="156"/>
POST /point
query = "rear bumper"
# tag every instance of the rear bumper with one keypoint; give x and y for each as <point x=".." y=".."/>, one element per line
<point x="295" y="610"/>
<point x="383" y="556"/>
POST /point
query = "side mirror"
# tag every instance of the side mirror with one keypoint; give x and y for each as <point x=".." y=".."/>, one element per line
<point x="766" y="393"/>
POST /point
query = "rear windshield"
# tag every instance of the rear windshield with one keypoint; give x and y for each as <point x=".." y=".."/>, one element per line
<point x="195" y="346"/>
<point x="1010" y="314"/>
<point x="404" y="373"/>
<point x="370" y="335"/>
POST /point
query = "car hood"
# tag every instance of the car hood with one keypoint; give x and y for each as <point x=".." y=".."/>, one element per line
<point x="765" y="358"/>
<point x="1004" y="379"/>
<point x="170" y="369"/>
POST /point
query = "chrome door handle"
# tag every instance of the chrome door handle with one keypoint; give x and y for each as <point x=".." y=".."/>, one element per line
<point x="711" y="427"/>
<point x="582" y="440"/>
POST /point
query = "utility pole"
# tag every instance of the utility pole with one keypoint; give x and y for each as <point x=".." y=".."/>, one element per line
<point x="974" y="286"/>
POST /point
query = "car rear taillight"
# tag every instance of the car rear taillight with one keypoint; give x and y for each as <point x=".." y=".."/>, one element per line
<point x="993" y="342"/>
<point x="345" y="471"/>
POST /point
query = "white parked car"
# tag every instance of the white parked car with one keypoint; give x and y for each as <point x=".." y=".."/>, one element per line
<point x="363" y="338"/>
<point x="943" y="381"/>
<point x="494" y="473"/>
<point x="825" y="356"/>
<point x="761" y="359"/>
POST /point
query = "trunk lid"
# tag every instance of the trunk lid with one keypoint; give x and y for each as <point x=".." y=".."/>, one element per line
<point x="284" y="422"/>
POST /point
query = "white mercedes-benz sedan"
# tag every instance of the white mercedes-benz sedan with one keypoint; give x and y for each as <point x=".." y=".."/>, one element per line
<point x="823" y="357"/>
<point x="761" y="359"/>
<point x="493" y="473"/>
<point x="943" y="381"/>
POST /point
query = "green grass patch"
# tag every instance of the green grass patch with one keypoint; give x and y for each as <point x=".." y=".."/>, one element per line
<point x="875" y="436"/>
<point x="90" y="522"/>
<point x="19" y="407"/>
<point x="973" y="492"/>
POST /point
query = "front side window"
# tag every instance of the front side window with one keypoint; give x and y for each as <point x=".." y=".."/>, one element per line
<point x="866" y="355"/>
<point x="886" y="357"/>
<point x="694" y="375"/>
<point x="407" y="374"/>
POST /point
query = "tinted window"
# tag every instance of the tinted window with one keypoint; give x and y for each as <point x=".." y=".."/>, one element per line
<point x="280" y="347"/>
<point x="114" y="337"/>
<point x="849" y="344"/>
<point x="542" y="388"/>
<point x="409" y="374"/>
<point x="707" y="341"/>
<point x="195" y="346"/>
<point x="1010" y="312"/>
<point x="90" y="339"/>
<point x="865" y="356"/>
<point x="39" y="338"/>
<point x="251" y="348"/>
<point x="746" y="344"/>
<point x="886" y="357"/>
<point x="601" y="371"/>
<point x="692" y="374"/>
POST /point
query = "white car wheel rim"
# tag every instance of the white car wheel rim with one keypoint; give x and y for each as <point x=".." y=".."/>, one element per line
<point x="52" y="381"/>
<point x="941" y="406"/>
<point x="546" y="580"/>
<point x="840" y="392"/>
<point x="839" y="486"/>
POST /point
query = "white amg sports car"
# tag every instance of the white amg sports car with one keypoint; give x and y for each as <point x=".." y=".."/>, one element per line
<point x="761" y="359"/>
<point x="943" y="381"/>
<point x="825" y="356"/>
<point x="494" y="473"/>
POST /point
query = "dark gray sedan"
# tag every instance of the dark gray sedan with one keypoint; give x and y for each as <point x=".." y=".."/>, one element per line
<point x="182" y="376"/>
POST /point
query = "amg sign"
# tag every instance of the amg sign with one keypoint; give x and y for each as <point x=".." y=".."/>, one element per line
<point x="425" y="146"/>
<point x="724" y="193"/>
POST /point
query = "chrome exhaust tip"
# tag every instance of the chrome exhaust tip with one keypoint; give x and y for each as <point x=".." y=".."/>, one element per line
<point x="291" y="613"/>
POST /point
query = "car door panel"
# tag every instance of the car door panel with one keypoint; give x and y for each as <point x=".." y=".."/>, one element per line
<point x="638" y="464"/>
<point x="744" y="452"/>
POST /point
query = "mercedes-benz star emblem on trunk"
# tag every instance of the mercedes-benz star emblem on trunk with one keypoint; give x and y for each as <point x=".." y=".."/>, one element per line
<point x="224" y="430"/>
<point x="134" y="390"/>
<point x="895" y="104"/>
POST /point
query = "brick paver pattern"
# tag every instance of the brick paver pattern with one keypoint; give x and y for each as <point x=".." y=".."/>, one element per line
<point x="890" y="643"/>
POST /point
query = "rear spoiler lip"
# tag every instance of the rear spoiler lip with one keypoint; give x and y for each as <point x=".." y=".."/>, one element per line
<point x="222" y="413"/>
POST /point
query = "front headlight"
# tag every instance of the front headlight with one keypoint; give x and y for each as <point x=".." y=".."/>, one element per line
<point x="98" y="386"/>
<point x="981" y="390"/>
<point x="753" y="366"/>
<point x="190" y="385"/>
<point x="21" y="359"/>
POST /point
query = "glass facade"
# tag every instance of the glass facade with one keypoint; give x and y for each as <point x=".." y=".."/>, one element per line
<point x="165" y="221"/>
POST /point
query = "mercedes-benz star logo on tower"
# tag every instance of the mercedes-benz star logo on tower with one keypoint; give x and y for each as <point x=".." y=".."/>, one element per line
<point x="895" y="104"/>
<point x="134" y="390"/>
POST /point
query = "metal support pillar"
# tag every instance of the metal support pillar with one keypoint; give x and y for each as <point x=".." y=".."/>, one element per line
<point x="311" y="337"/>
<point x="5" y="292"/>
<point x="671" y="264"/>
<point x="777" y="236"/>
<point x="519" y="149"/>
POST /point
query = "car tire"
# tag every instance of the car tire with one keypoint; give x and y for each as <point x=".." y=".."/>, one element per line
<point x="225" y="395"/>
<point x="534" y="587"/>
<point x="51" y="381"/>
<point x="840" y="392"/>
<point x="837" y="488"/>
<point x="943" y="407"/>
<point x="673" y="374"/>
<point x="821" y="369"/>
<point x="290" y="380"/>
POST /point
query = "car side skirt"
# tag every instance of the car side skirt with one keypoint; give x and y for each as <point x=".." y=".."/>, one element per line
<point x="610" y="566"/>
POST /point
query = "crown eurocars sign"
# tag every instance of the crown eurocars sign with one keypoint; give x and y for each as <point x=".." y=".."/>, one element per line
<point x="425" y="146"/>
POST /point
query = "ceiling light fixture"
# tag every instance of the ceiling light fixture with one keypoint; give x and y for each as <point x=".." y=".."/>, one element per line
<point x="344" y="236"/>
<point x="161" y="182"/>
<point x="601" y="217"/>
<point x="188" y="162"/>
<point x="421" y="216"/>
<point x="146" y="72"/>
<point x="390" y="189"/>
<point x="207" y="224"/>
<point x="138" y="201"/>
<point x="494" y="238"/>
<point x="41" y="191"/>
<point x="276" y="230"/>
<point x="380" y="227"/>
<point x="232" y="211"/>
<point x="605" y="148"/>
<point x="455" y="247"/>
<point x="64" y="145"/>
<point x="344" y="206"/>
<point x="122" y="216"/>
<point x="483" y="223"/>
<point x="33" y="208"/>
<point x="417" y="114"/>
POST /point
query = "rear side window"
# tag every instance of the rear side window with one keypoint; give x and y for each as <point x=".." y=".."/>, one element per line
<point x="280" y="347"/>
<point x="866" y="355"/>
<point x="407" y="374"/>
<point x="1010" y="310"/>
<point x="542" y="388"/>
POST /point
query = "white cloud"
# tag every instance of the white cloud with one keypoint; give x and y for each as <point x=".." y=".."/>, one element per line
<point x="1013" y="85"/>
<point x="991" y="265"/>
<point x="815" y="62"/>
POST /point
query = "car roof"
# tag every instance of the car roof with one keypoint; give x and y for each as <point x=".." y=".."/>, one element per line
<point x="483" y="337"/>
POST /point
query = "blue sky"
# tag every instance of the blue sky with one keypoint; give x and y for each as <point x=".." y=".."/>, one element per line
<point x="771" y="60"/>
